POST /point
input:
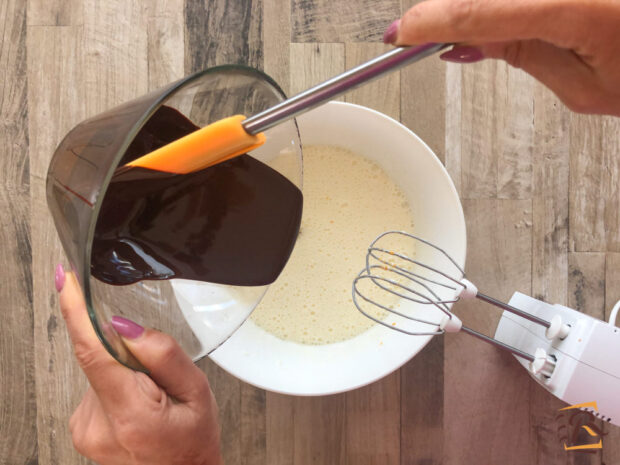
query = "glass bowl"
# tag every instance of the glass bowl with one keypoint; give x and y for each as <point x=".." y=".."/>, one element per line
<point x="200" y="315"/>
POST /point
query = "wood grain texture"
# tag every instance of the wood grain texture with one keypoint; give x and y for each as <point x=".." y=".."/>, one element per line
<point x="422" y="432"/>
<point x="341" y="20"/>
<point x="454" y="97"/>
<point x="423" y="85"/>
<point x="221" y="32"/>
<point x="486" y="391"/>
<point x="165" y="40"/>
<point x="55" y="89"/>
<point x="276" y="41"/>
<point x="319" y="430"/>
<point x="542" y="203"/>
<point x="314" y="63"/>
<point x="594" y="195"/>
<point x="550" y="162"/>
<point x="496" y="155"/>
<point x="382" y="95"/>
<point x="479" y="159"/>
<point x="18" y="409"/>
<point x="375" y="442"/>
<point x="55" y="12"/>
<point x="115" y="53"/>
<point x="280" y="429"/>
<point x="586" y="283"/>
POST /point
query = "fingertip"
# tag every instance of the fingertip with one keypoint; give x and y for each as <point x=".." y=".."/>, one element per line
<point x="59" y="277"/>
<point x="70" y="295"/>
<point x="126" y="328"/>
<point x="391" y="33"/>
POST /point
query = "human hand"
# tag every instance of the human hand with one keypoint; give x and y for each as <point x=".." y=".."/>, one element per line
<point x="127" y="417"/>
<point x="571" y="46"/>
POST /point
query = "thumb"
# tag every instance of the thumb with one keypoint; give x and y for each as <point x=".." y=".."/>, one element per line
<point x="168" y="365"/>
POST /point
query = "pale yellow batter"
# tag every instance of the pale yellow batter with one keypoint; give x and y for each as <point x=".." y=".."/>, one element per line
<point x="348" y="201"/>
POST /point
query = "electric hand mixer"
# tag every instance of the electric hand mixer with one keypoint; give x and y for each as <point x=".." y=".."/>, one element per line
<point x="571" y="354"/>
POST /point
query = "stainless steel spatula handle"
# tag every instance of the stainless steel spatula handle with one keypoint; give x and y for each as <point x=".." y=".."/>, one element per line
<point x="328" y="90"/>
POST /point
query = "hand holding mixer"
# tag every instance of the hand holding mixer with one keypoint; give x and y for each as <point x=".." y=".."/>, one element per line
<point x="571" y="354"/>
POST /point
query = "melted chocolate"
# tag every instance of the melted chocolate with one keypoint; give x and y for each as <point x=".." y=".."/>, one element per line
<point x="233" y="223"/>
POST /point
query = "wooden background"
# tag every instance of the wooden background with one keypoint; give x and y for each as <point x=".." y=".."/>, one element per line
<point x="540" y="189"/>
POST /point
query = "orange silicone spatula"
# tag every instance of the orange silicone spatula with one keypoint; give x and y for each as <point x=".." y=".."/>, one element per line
<point x="236" y="135"/>
<point x="215" y="143"/>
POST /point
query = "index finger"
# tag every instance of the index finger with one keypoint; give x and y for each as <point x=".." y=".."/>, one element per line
<point x="113" y="383"/>
<point x="560" y="22"/>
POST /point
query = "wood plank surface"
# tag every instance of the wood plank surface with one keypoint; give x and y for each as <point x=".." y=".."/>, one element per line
<point x="18" y="408"/>
<point x="219" y="33"/>
<point x="55" y="12"/>
<point x="539" y="187"/>
<point x="276" y="41"/>
<point x="550" y="184"/>
<point x="486" y="391"/>
<point x="55" y="56"/>
<point x="360" y="21"/>
<point x="383" y="94"/>
<point x="454" y="99"/>
<point x="165" y="38"/>
<point x="594" y="195"/>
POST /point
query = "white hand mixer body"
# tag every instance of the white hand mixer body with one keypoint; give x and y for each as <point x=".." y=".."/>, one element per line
<point x="586" y="362"/>
<point x="574" y="356"/>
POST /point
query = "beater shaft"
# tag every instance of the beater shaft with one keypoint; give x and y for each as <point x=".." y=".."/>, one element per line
<point x="496" y="343"/>
<point x="511" y="309"/>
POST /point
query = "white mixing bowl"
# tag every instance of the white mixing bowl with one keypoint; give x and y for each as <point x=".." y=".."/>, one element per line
<point x="259" y="358"/>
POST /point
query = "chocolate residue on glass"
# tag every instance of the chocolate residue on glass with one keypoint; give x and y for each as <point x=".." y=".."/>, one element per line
<point x="233" y="223"/>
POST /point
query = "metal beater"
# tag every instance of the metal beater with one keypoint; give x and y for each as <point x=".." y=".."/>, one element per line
<point x="567" y="352"/>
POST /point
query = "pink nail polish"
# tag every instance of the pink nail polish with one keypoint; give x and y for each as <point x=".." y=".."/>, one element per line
<point x="389" y="36"/>
<point x="59" y="277"/>
<point x="126" y="328"/>
<point x="462" y="55"/>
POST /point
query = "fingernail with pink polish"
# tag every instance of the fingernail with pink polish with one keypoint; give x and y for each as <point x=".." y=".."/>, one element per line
<point x="59" y="277"/>
<point x="126" y="328"/>
<point x="462" y="55"/>
<point x="389" y="36"/>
